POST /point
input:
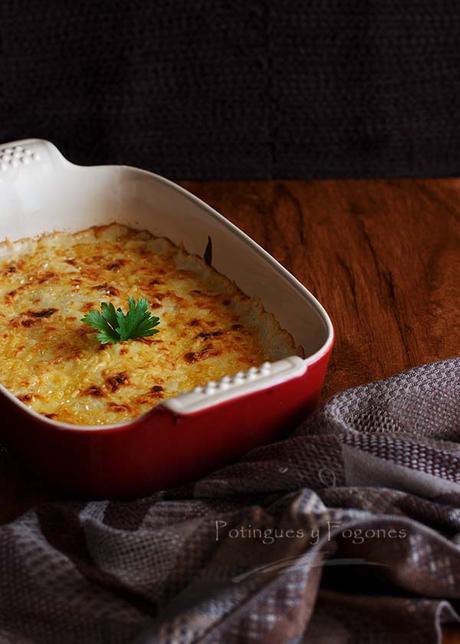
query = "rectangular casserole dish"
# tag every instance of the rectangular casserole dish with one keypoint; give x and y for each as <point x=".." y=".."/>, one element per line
<point x="189" y="435"/>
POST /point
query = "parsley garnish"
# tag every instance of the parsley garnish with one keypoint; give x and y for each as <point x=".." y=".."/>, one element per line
<point x="116" y="326"/>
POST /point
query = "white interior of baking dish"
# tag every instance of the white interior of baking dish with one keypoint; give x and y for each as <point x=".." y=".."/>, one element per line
<point x="40" y="191"/>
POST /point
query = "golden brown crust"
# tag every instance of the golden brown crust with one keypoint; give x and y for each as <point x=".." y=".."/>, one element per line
<point x="55" y="364"/>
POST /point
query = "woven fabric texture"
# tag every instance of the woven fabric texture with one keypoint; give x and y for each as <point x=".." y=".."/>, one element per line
<point x="348" y="531"/>
<point x="242" y="89"/>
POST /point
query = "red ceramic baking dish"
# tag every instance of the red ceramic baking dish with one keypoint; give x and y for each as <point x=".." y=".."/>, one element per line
<point x="187" y="436"/>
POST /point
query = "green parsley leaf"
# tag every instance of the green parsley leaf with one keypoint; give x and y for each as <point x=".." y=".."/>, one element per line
<point x="116" y="326"/>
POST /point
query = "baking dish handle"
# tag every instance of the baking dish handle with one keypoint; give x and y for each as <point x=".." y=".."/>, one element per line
<point x="16" y="155"/>
<point x="269" y="374"/>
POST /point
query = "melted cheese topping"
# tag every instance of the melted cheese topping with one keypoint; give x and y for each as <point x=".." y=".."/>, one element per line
<point x="55" y="364"/>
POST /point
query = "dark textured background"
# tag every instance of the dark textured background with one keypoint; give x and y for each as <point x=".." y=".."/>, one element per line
<point x="233" y="89"/>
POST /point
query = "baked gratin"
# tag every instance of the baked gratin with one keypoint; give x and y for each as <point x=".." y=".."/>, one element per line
<point x="56" y="365"/>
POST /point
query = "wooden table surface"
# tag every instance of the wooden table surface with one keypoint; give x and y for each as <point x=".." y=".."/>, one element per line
<point x="383" y="256"/>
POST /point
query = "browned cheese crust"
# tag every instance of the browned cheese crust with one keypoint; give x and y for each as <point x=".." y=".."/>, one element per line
<point x="55" y="364"/>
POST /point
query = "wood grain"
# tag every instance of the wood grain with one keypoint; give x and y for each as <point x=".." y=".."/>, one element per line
<point x="382" y="256"/>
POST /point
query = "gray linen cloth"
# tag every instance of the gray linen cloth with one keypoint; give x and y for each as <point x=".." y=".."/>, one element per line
<point x="346" y="532"/>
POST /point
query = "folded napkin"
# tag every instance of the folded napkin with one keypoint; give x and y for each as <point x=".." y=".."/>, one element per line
<point x="348" y="531"/>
